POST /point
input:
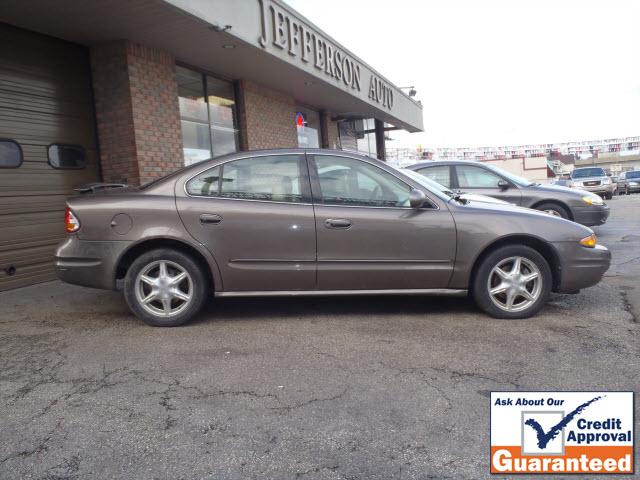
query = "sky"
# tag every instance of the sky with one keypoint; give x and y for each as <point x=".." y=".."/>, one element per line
<point x="499" y="72"/>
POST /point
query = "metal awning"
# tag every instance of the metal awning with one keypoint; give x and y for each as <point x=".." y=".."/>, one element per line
<point x="263" y="41"/>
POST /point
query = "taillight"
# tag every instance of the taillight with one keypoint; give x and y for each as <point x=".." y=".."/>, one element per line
<point x="71" y="222"/>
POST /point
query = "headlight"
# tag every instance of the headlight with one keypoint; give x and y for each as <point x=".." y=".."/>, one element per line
<point x="590" y="241"/>
<point x="576" y="184"/>
<point x="633" y="184"/>
<point x="592" y="200"/>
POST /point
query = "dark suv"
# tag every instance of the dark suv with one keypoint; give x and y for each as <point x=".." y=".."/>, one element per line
<point x="476" y="177"/>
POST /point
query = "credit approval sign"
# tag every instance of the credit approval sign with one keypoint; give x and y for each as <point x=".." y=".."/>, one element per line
<point x="562" y="432"/>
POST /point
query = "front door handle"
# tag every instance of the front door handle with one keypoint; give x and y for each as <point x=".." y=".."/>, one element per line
<point x="337" y="223"/>
<point x="210" y="219"/>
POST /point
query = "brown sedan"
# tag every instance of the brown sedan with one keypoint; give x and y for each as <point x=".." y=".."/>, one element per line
<point x="316" y="222"/>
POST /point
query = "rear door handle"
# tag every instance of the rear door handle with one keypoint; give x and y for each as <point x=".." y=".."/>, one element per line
<point x="210" y="219"/>
<point x="337" y="223"/>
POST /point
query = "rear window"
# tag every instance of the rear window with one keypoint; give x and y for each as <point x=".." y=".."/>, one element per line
<point x="67" y="157"/>
<point x="588" y="172"/>
<point x="10" y="154"/>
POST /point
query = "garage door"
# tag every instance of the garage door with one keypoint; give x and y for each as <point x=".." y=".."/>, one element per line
<point x="46" y="108"/>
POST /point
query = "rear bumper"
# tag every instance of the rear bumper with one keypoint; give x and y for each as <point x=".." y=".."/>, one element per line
<point x="581" y="267"/>
<point x="591" y="215"/>
<point x="88" y="263"/>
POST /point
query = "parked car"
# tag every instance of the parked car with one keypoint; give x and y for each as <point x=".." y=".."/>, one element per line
<point x="315" y="222"/>
<point x="593" y="179"/>
<point x="486" y="179"/>
<point x="629" y="182"/>
<point x="561" y="182"/>
<point x="469" y="197"/>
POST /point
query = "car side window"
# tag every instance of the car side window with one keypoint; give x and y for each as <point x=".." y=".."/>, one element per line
<point x="275" y="178"/>
<point x="470" y="176"/>
<point x="206" y="184"/>
<point x="438" y="173"/>
<point x="347" y="181"/>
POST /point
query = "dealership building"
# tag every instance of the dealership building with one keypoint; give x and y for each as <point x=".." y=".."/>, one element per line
<point x="129" y="90"/>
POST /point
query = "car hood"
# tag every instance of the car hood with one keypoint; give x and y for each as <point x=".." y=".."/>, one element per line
<point x="572" y="192"/>
<point x="474" y="197"/>
<point x="522" y="213"/>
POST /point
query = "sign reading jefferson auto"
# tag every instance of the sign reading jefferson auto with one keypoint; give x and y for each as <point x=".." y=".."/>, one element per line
<point x="284" y="32"/>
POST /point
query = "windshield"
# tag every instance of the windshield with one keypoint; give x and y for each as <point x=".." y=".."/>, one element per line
<point x="440" y="190"/>
<point x="587" y="172"/>
<point x="632" y="174"/>
<point x="521" y="181"/>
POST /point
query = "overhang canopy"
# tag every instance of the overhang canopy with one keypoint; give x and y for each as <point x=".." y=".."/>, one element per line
<point x="263" y="41"/>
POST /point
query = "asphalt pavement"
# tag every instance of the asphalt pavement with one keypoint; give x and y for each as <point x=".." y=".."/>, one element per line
<point x="318" y="388"/>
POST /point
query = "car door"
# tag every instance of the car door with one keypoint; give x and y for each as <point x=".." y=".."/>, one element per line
<point x="368" y="238"/>
<point x="438" y="173"/>
<point x="480" y="180"/>
<point x="256" y="218"/>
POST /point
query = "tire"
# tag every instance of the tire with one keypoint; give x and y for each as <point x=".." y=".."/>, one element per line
<point x="531" y="262"/>
<point x="554" y="209"/>
<point x="168" y="306"/>
<point x="608" y="196"/>
<point x="627" y="191"/>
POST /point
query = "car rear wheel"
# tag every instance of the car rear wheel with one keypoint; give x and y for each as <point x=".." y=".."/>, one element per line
<point x="165" y="288"/>
<point x="553" y="209"/>
<point x="512" y="282"/>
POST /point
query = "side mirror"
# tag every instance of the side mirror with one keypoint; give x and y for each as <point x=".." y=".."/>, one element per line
<point x="503" y="185"/>
<point x="417" y="198"/>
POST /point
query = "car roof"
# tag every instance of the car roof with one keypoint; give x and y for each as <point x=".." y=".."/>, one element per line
<point x="443" y="162"/>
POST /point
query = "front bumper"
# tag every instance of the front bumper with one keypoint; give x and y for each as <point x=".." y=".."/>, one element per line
<point x="581" y="267"/>
<point x="599" y="189"/>
<point x="88" y="263"/>
<point x="591" y="215"/>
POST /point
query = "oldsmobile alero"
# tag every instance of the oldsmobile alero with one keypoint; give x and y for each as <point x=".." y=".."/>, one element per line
<point x="316" y="222"/>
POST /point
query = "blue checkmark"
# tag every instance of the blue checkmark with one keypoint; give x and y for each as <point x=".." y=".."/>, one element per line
<point x="545" y="438"/>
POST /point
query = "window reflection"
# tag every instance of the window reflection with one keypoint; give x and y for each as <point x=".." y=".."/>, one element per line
<point x="208" y="116"/>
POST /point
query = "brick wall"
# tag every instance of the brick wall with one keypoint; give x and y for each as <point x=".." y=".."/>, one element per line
<point x="267" y="118"/>
<point x="137" y="112"/>
<point x="330" y="134"/>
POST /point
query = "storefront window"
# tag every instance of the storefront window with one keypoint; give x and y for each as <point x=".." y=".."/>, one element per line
<point x="207" y="115"/>
<point x="308" y="126"/>
<point x="359" y="136"/>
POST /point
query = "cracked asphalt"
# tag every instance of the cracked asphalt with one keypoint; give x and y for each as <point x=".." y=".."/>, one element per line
<point x="320" y="388"/>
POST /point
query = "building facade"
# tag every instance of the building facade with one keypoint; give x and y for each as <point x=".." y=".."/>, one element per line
<point x="130" y="90"/>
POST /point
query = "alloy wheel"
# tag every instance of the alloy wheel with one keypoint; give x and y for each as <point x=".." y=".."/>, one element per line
<point x="514" y="284"/>
<point x="164" y="288"/>
<point x="552" y="212"/>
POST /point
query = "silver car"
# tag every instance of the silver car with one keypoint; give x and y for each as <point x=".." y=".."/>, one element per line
<point x="595" y="180"/>
<point x="629" y="182"/>
<point x="485" y="179"/>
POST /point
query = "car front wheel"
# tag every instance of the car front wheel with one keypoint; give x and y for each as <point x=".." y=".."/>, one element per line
<point x="554" y="209"/>
<point x="165" y="288"/>
<point x="512" y="282"/>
